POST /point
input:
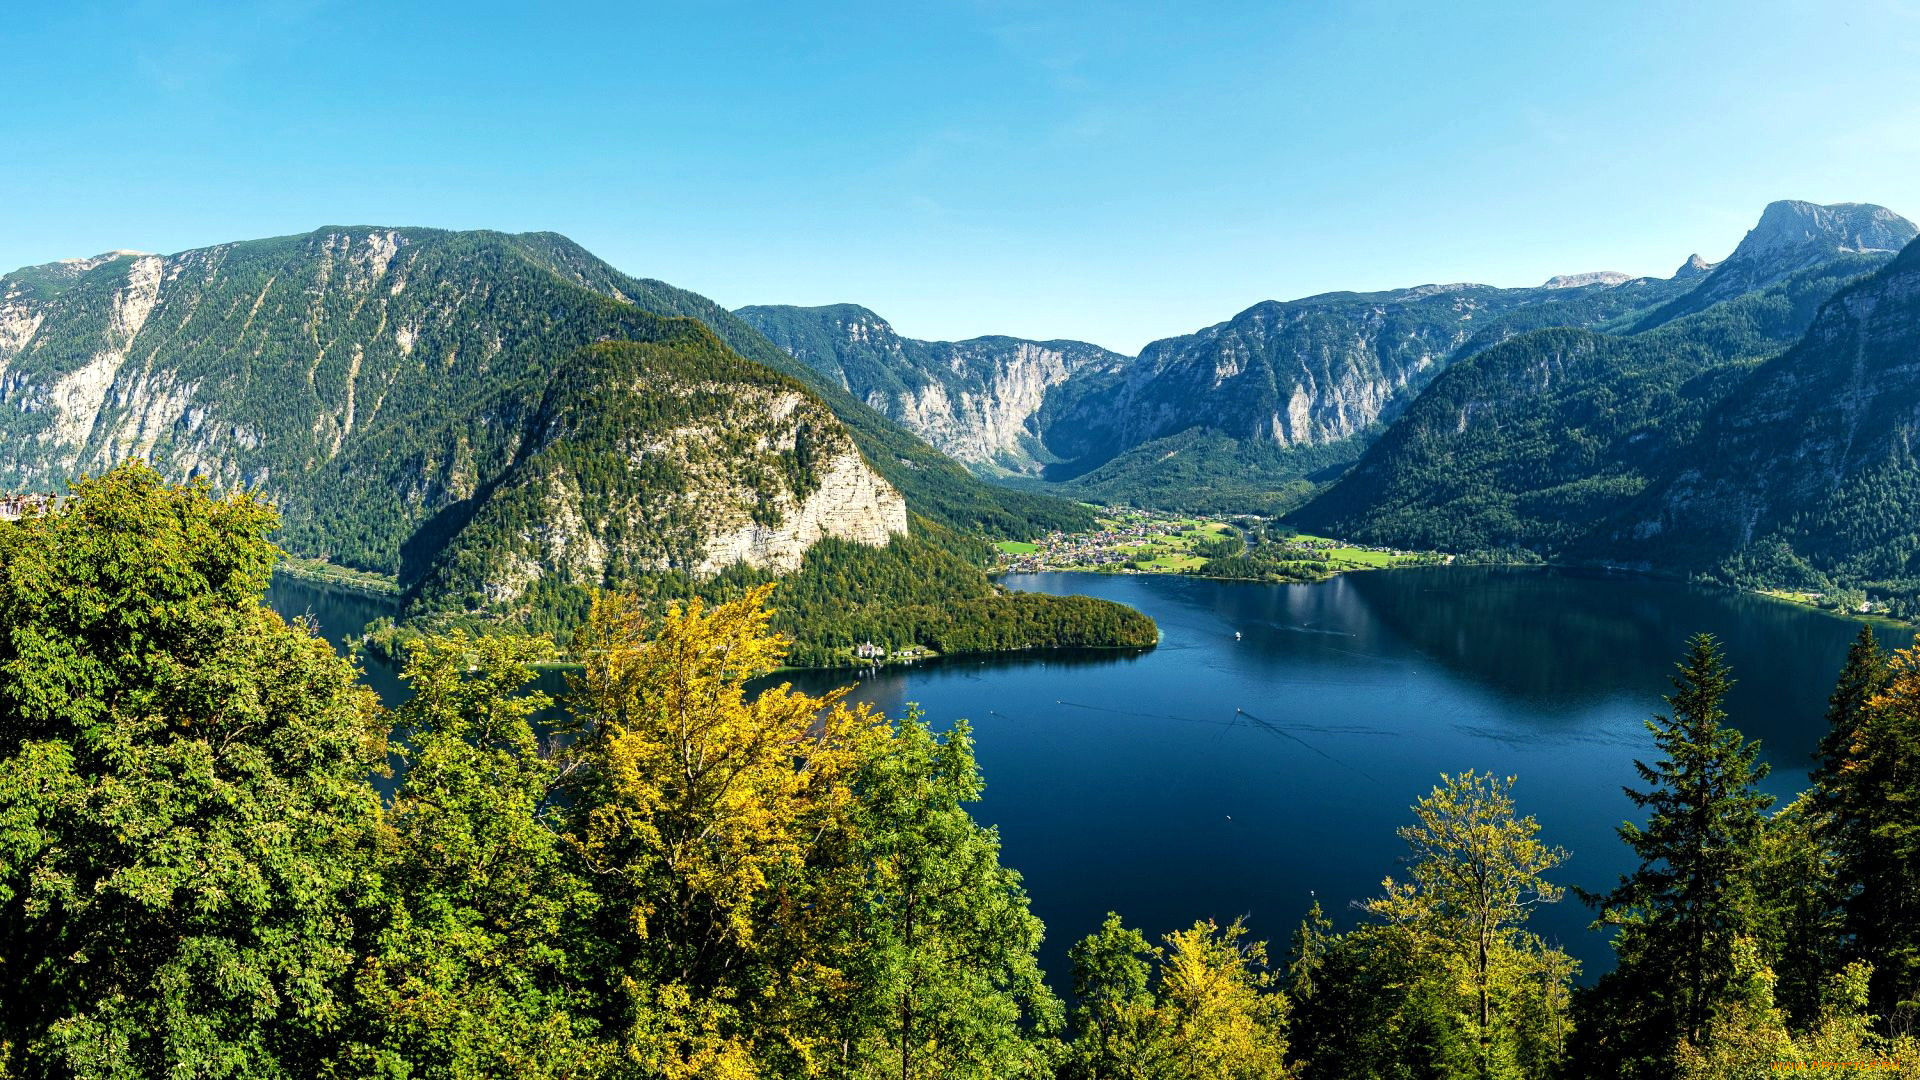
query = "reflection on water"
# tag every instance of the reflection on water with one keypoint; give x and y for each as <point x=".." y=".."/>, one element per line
<point x="1214" y="777"/>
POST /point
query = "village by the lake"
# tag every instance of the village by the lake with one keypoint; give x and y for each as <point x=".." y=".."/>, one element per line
<point x="1127" y="540"/>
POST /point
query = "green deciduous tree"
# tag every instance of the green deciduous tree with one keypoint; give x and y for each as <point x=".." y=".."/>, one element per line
<point x="1474" y="873"/>
<point x="469" y="971"/>
<point x="949" y="984"/>
<point x="185" y="817"/>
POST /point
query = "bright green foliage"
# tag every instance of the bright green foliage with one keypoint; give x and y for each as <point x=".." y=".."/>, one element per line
<point x="468" y="972"/>
<point x="1681" y="912"/>
<point x="1475" y="871"/>
<point x="1797" y="921"/>
<point x="1215" y="1010"/>
<point x="949" y="986"/>
<point x="1115" y="1025"/>
<point x="1748" y="1037"/>
<point x="185" y="818"/>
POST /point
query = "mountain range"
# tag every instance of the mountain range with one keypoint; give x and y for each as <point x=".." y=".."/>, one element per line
<point x="1705" y="422"/>
<point x="499" y="423"/>
<point x="496" y="422"/>
<point x="1250" y="413"/>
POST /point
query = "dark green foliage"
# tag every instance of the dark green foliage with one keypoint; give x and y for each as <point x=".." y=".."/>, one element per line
<point x="1868" y="793"/>
<point x="1680" y="914"/>
<point x="1205" y="471"/>
<point x="1804" y="477"/>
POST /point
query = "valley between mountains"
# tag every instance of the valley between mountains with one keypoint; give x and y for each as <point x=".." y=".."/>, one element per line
<point x="498" y="425"/>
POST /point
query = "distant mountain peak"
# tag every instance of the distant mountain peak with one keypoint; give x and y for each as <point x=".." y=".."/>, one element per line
<point x="1694" y="267"/>
<point x="1591" y="277"/>
<point x="1793" y="228"/>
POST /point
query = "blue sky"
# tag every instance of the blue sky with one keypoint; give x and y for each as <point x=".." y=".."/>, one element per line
<point x="1112" y="172"/>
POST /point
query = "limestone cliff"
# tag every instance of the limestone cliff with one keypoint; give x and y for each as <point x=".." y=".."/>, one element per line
<point x="976" y="399"/>
<point x="429" y="405"/>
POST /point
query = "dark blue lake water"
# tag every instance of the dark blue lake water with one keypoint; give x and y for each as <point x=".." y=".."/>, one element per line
<point x="1212" y="777"/>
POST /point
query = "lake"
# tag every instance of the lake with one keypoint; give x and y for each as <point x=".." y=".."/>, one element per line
<point x="1214" y="777"/>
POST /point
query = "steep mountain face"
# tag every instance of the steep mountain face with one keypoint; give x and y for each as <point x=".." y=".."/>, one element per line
<point x="1808" y="472"/>
<point x="975" y="400"/>
<point x="430" y="405"/>
<point x="1542" y="440"/>
<point x="1296" y="387"/>
<point x="935" y="485"/>
<point x="1791" y="237"/>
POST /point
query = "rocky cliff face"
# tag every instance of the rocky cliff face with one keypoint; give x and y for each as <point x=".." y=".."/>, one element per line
<point x="1791" y="237"/>
<point x="399" y="393"/>
<point x="976" y="400"/>
<point x="1312" y="372"/>
<point x="851" y="503"/>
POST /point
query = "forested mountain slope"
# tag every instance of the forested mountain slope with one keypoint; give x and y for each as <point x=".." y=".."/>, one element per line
<point x="487" y="418"/>
<point x="1805" y="475"/>
<point x="974" y="399"/>
<point x="387" y="387"/>
<point x="933" y="484"/>
<point x="1533" y="443"/>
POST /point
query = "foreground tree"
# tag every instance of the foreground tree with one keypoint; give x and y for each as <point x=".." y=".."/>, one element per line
<point x="1869" y="793"/>
<point x="1475" y="871"/>
<point x="1116" y="1030"/>
<point x="949" y="983"/>
<point x="712" y="823"/>
<point x="469" y="969"/>
<point x="1679" y="915"/>
<point x="185" y="818"/>
<point x="1214" y="1010"/>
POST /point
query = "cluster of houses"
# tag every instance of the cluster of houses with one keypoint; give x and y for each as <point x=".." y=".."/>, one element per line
<point x="878" y="654"/>
<point x="1092" y="549"/>
<point x="15" y="507"/>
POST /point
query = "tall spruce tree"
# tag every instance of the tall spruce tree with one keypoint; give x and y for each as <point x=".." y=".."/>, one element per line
<point x="1681" y="912"/>
<point x="1869" y="792"/>
<point x="1862" y="677"/>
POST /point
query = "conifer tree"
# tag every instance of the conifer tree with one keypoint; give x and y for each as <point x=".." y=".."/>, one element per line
<point x="1862" y="677"/>
<point x="1870" y="794"/>
<point x="1681" y="912"/>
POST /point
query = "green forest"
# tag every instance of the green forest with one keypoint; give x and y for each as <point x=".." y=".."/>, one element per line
<point x="220" y="856"/>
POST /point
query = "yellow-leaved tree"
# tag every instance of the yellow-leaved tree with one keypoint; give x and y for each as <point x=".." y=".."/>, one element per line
<point x="714" y="822"/>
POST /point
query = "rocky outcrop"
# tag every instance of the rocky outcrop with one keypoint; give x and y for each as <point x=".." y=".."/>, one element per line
<point x="1591" y="277"/>
<point x="852" y="503"/>
<point x="1693" y="269"/>
<point x="975" y="400"/>
<point x="1790" y="237"/>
